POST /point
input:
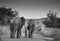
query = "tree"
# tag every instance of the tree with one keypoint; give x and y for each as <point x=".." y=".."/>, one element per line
<point x="52" y="20"/>
<point x="6" y="14"/>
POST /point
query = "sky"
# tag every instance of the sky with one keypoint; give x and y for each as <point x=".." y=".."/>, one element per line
<point x="33" y="8"/>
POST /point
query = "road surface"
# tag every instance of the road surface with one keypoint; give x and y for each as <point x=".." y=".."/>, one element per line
<point x="35" y="38"/>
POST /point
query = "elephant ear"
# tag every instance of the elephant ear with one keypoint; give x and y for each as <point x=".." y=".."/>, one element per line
<point x="23" y="20"/>
<point x="28" y="27"/>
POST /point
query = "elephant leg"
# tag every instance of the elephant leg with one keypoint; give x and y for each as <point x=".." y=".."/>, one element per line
<point x="18" y="33"/>
<point x="32" y="30"/>
<point x="12" y="35"/>
<point x="11" y="32"/>
<point x="25" y="33"/>
<point x="14" y="31"/>
<point x="29" y="34"/>
<point x="32" y="34"/>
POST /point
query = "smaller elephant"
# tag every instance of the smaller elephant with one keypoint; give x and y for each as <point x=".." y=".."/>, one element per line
<point x="29" y="29"/>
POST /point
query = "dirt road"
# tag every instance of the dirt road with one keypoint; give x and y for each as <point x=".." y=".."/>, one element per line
<point x="36" y="38"/>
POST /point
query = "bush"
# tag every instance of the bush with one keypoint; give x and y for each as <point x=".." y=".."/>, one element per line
<point x="6" y="14"/>
<point x="53" y="21"/>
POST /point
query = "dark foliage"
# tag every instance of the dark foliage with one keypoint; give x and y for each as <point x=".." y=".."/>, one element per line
<point x="48" y="24"/>
<point x="6" y="14"/>
<point x="53" y="22"/>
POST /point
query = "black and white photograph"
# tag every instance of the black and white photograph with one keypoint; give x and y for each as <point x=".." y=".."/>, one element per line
<point x="29" y="20"/>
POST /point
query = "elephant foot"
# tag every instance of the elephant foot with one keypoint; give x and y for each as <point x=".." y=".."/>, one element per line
<point x="30" y="37"/>
<point x="25" y="37"/>
<point x="18" y="37"/>
<point x="12" y="37"/>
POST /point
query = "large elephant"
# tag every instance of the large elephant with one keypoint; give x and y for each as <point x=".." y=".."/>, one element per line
<point x="16" y="25"/>
<point x="29" y="28"/>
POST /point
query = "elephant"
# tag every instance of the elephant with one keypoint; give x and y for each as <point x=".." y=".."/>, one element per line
<point x="16" y="25"/>
<point x="29" y="28"/>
